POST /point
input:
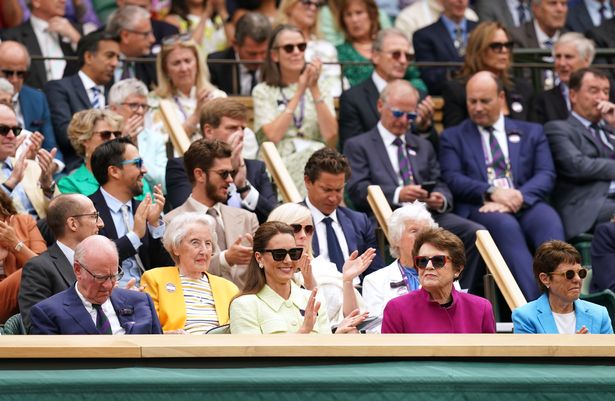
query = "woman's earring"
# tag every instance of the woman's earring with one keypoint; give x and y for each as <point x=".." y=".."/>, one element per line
<point x="260" y="265"/>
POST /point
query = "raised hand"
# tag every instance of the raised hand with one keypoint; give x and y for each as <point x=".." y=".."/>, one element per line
<point x="156" y="208"/>
<point x="48" y="167"/>
<point x="140" y="216"/>
<point x="355" y="264"/>
<point x="311" y="313"/>
<point x="238" y="254"/>
<point x="8" y="236"/>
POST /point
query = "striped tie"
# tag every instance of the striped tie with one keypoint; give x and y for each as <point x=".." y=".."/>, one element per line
<point x="102" y="322"/>
<point x="405" y="170"/>
<point x="96" y="98"/>
<point x="498" y="162"/>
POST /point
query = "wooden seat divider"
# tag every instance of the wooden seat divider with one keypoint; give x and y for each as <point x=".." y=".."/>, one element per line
<point x="174" y="127"/>
<point x="380" y="206"/>
<point x="279" y="173"/>
<point x="499" y="269"/>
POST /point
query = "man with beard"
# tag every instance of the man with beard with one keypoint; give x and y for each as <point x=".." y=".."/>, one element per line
<point x="209" y="168"/>
<point x="134" y="226"/>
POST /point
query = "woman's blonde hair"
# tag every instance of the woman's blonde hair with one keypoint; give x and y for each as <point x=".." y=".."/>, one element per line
<point x="82" y="124"/>
<point x="284" y="14"/>
<point x="165" y="87"/>
<point x="292" y="213"/>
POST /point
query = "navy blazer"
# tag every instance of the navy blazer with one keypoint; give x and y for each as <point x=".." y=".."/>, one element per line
<point x="548" y="106"/>
<point x="434" y="43"/>
<point x="64" y="313"/>
<point x="66" y="96"/>
<point x="371" y="165"/>
<point x="358" y="110"/>
<point x="151" y="250"/>
<point x="225" y="76"/>
<point x="536" y="317"/>
<point x="36" y="116"/>
<point x="464" y="170"/>
<point x="578" y="19"/>
<point x="179" y="187"/>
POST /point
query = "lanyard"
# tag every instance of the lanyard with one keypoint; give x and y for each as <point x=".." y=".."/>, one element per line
<point x="411" y="281"/>
<point x="181" y="108"/>
<point x="297" y="121"/>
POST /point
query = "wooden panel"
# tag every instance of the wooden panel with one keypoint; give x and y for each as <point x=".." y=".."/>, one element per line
<point x="280" y="174"/>
<point x="380" y="206"/>
<point x="499" y="269"/>
<point x="178" y="136"/>
<point x="68" y="347"/>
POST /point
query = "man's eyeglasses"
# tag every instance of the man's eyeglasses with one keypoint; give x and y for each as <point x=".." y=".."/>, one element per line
<point x="280" y="254"/>
<point x="569" y="274"/>
<point x="411" y="116"/>
<point x="498" y="47"/>
<point x="134" y="107"/>
<point x="289" y="48"/>
<point x="102" y="279"/>
<point x="137" y="162"/>
<point x="144" y="34"/>
<point x="224" y="174"/>
<point x="437" y="261"/>
<point x="5" y="129"/>
<point x="95" y="215"/>
<point x="106" y="135"/>
<point x="177" y="38"/>
<point x="17" y="73"/>
<point x="309" y="229"/>
<point x="309" y="3"/>
<point x="396" y="55"/>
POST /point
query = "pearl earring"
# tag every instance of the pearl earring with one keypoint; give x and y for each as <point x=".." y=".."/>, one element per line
<point x="260" y="265"/>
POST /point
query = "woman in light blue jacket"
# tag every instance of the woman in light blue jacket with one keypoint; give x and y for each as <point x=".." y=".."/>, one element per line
<point x="557" y="268"/>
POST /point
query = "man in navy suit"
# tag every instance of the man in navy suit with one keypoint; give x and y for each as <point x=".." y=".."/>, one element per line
<point x="98" y="54"/>
<point x="29" y="104"/>
<point x="444" y="40"/>
<point x="375" y="158"/>
<point x="93" y="305"/>
<point x="589" y="14"/>
<point x="339" y="231"/>
<point x="225" y="119"/>
<point x="500" y="171"/>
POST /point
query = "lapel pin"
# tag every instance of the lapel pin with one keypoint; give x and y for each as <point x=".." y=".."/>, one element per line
<point x="170" y="287"/>
<point x="517" y="107"/>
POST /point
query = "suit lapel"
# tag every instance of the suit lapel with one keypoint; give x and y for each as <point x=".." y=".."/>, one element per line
<point x="372" y="95"/>
<point x="100" y="204"/>
<point x="586" y="132"/>
<point x="348" y="229"/>
<point x="75" y="309"/>
<point x="232" y="224"/>
<point x="380" y="149"/>
<point x="61" y="264"/>
<point x="583" y="318"/>
<point x="25" y="102"/>
<point x="475" y="142"/>
<point x="444" y="34"/>
<point x="412" y="150"/>
<point x="545" y="315"/>
<point x="123" y="311"/>
<point x="80" y="91"/>
<point x="513" y="147"/>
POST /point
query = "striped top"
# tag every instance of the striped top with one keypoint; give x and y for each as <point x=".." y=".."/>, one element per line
<point x="200" y="308"/>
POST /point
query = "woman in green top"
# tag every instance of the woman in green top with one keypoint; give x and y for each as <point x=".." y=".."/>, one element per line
<point x="359" y="21"/>
<point x="88" y="129"/>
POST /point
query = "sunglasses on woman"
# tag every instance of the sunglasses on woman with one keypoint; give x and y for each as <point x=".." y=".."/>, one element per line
<point x="289" y="48"/>
<point x="280" y="254"/>
<point x="569" y="274"/>
<point x="309" y="229"/>
<point x="437" y="261"/>
<point x="106" y="135"/>
<point x="498" y="47"/>
<point x="309" y="3"/>
<point x="5" y="129"/>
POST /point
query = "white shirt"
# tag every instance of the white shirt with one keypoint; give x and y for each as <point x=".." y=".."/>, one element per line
<point x="88" y="84"/>
<point x="49" y="42"/>
<point x="566" y="322"/>
<point x="321" y="231"/>
<point x="513" y="7"/>
<point x="593" y="9"/>
<point x="378" y="81"/>
<point x="542" y="37"/>
<point x="499" y="131"/>
<point x="68" y="252"/>
<point x="107" y="308"/>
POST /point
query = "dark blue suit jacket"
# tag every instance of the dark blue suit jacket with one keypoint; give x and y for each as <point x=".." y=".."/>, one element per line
<point x="463" y="163"/>
<point x="66" y="96"/>
<point x="36" y="115"/>
<point x="434" y="43"/>
<point x="578" y="19"/>
<point x="371" y="165"/>
<point x="64" y="313"/>
<point x="179" y="187"/>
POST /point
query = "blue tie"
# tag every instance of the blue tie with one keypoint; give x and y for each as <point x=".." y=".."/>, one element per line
<point x="333" y="245"/>
<point x="96" y="98"/>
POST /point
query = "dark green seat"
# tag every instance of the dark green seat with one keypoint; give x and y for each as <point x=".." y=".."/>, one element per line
<point x="583" y="243"/>
<point x="14" y="326"/>
<point x="605" y="298"/>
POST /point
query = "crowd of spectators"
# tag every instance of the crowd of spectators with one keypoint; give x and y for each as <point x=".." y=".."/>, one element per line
<point x="133" y="188"/>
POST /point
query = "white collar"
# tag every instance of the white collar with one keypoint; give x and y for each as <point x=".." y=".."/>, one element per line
<point x="68" y="252"/>
<point x="88" y="83"/>
<point x="317" y="215"/>
<point x="378" y="81"/>
<point x="39" y="25"/>
<point x="541" y="37"/>
<point x="387" y="136"/>
<point x="113" y="203"/>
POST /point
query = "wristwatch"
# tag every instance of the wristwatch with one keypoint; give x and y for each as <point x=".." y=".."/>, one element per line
<point x="245" y="188"/>
<point x="19" y="246"/>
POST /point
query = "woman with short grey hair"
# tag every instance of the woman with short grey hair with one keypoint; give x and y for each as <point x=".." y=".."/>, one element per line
<point x="188" y="299"/>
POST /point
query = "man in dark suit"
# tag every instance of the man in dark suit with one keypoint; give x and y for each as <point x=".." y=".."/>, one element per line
<point x="250" y="44"/>
<point x="93" y="305"/>
<point x="500" y="172"/>
<point x="358" y="105"/>
<point x="444" y="40"/>
<point x="604" y="37"/>
<point x="583" y="147"/>
<point x="98" y="56"/>
<point x="589" y="14"/>
<point x="133" y="27"/>
<point x="72" y="218"/>
<point x="134" y="226"/>
<point x="29" y="104"/>
<point x="548" y="24"/>
<point x="509" y="13"/>
<point x="406" y="168"/>
<point x="161" y="29"/>
<point x="225" y="119"/>
<point x="47" y="33"/>
<point x="571" y="52"/>
<point x="339" y="231"/>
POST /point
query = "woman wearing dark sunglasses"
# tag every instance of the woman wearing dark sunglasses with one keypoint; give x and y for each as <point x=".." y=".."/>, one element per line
<point x="437" y="307"/>
<point x="86" y="131"/>
<point x="557" y="268"/>
<point x="293" y="108"/>
<point x="338" y="289"/>
<point x="271" y="302"/>
<point x="489" y="49"/>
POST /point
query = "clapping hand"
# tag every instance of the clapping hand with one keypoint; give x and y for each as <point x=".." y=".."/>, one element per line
<point x="355" y="265"/>
<point x="350" y="322"/>
<point x="311" y="313"/>
<point x="156" y="208"/>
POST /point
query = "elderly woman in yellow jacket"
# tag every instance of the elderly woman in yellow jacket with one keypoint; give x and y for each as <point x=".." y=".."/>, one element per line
<point x="187" y="298"/>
